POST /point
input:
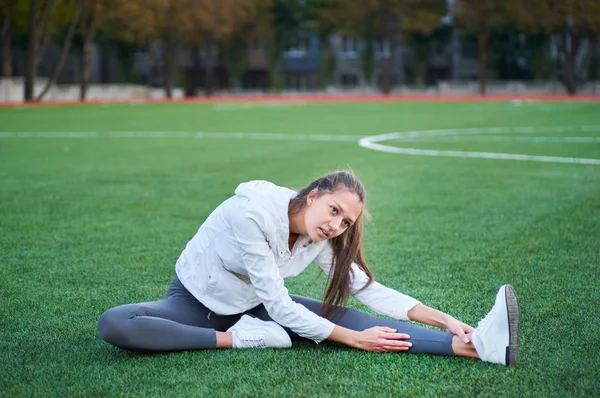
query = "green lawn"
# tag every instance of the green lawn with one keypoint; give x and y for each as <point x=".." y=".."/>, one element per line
<point x="90" y="223"/>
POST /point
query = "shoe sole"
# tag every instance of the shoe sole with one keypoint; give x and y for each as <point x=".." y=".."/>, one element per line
<point x="514" y="318"/>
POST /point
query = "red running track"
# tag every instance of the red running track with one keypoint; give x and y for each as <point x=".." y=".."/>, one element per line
<point x="377" y="98"/>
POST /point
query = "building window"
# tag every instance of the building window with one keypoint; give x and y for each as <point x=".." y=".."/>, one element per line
<point x="349" y="44"/>
<point x="349" y="80"/>
<point x="298" y="81"/>
<point x="349" y="47"/>
<point x="382" y="49"/>
<point x="298" y="48"/>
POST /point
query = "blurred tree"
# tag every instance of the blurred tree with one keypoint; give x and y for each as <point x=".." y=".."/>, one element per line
<point x="235" y="56"/>
<point x="40" y="14"/>
<point x="208" y="24"/>
<point x="147" y="22"/>
<point x="510" y="54"/>
<point x="570" y="22"/>
<point x="65" y="49"/>
<point x="6" y="15"/>
<point x="422" y="44"/>
<point x="324" y="23"/>
<point x="539" y="45"/>
<point x="367" y="59"/>
<point x="43" y="18"/>
<point x="527" y="19"/>
<point x="594" y="66"/>
<point x="423" y="27"/>
<point x="481" y="19"/>
<point x="357" y="19"/>
<point x="88" y="22"/>
<point x="383" y="22"/>
<point x="285" y="19"/>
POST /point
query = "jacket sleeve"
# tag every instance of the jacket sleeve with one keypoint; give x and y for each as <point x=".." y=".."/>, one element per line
<point x="259" y="262"/>
<point x="381" y="299"/>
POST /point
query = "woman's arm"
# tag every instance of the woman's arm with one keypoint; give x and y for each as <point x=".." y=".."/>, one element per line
<point x="427" y="315"/>
<point x="430" y="316"/>
<point x="377" y="339"/>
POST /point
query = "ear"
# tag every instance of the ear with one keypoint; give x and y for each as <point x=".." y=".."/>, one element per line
<point x="310" y="198"/>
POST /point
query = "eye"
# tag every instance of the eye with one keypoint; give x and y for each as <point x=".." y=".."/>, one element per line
<point x="347" y="223"/>
<point x="334" y="210"/>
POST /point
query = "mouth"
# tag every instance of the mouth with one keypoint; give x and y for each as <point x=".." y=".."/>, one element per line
<point x="323" y="234"/>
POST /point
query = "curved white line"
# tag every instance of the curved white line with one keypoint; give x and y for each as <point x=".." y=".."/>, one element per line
<point x="372" y="143"/>
<point x="475" y="138"/>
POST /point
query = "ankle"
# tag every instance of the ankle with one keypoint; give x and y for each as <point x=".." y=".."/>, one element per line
<point x="225" y="339"/>
<point x="462" y="349"/>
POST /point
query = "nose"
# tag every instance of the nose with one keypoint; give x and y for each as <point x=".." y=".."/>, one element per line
<point x="334" y="225"/>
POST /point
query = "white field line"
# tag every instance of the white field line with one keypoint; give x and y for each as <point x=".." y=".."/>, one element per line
<point x="372" y="143"/>
<point x="550" y="140"/>
<point x="198" y="135"/>
<point x="366" y="142"/>
<point x="237" y="136"/>
<point x="48" y="134"/>
<point x="294" y="137"/>
<point x="483" y="155"/>
<point x="482" y="131"/>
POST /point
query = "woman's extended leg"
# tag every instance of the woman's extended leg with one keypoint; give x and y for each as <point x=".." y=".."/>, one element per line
<point x="179" y="322"/>
<point x="424" y="340"/>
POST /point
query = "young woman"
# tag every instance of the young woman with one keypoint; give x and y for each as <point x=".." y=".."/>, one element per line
<point x="228" y="291"/>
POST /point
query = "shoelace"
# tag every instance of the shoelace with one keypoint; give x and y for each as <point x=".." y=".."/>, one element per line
<point x="483" y="321"/>
<point x="253" y="341"/>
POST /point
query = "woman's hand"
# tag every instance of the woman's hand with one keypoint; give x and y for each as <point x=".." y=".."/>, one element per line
<point x="459" y="329"/>
<point x="382" y="339"/>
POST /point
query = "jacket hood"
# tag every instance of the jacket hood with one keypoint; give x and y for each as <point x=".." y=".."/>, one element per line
<point x="272" y="197"/>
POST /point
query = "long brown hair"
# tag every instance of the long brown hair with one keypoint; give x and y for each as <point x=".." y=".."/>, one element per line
<point x="347" y="247"/>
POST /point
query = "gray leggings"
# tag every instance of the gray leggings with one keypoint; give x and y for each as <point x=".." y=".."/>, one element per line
<point x="180" y="322"/>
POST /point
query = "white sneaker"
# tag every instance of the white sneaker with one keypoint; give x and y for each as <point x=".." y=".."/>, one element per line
<point x="496" y="337"/>
<point x="251" y="332"/>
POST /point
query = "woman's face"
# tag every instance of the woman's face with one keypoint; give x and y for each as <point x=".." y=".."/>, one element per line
<point x="331" y="214"/>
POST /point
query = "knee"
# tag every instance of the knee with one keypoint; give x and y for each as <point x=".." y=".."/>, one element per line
<point x="112" y="327"/>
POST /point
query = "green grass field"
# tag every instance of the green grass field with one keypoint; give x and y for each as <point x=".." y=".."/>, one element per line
<point x="91" y="221"/>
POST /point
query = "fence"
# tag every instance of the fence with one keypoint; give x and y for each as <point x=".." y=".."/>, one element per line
<point x="11" y="90"/>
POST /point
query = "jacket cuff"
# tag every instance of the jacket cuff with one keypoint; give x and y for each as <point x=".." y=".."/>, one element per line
<point x="411" y="303"/>
<point x="327" y="327"/>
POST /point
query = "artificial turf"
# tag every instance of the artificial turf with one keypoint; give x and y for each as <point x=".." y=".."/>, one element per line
<point x="89" y="222"/>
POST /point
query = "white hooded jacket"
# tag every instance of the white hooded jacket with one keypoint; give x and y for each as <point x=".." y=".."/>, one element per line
<point x="239" y="258"/>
